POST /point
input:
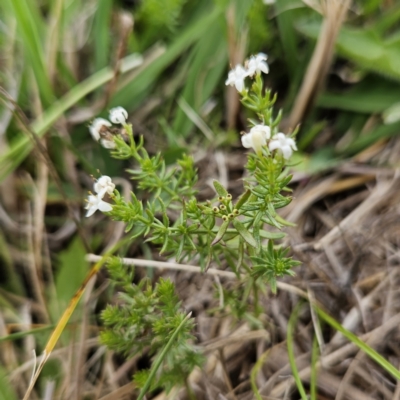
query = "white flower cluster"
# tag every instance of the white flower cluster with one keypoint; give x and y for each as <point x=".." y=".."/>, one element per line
<point x="259" y="135"/>
<point x="253" y="66"/>
<point x="99" y="128"/>
<point x="102" y="186"/>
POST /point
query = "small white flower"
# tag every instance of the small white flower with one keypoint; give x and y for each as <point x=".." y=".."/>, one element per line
<point x="104" y="185"/>
<point x="118" y="115"/>
<point x="97" y="126"/>
<point x="283" y="144"/>
<point x="236" y="78"/>
<point x="257" y="64"/>
<point x="256" y="138"/>
<point x="95" y="203"/>
<point x="108" y="144"/>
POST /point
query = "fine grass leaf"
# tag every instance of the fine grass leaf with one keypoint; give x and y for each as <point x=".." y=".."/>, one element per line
<point x="29" y="22"/>
<point x="392" y="114"/>
<point x="389" y="17"/>
<point x="160" y="358"/>
<point x="132" y="94"/>
<point x="253" y="375"/>
<point x="209" y="60"/>
<point x="101" y="33"/>
<point x="6" y="392"/>
<point x="371" y="95"/>
<point x="314" y="370"/>
<point x="11" y="280"/>
<point x="364" y="47"/>
<point x="381" y="132"/>
<point x="291" y="355"/>
<point x="71" y="273"/>
<point x="286" y="16"/>
<point x="385" y="364"/>
<point x="23" y="334"/>
<point x="22" y="145"/>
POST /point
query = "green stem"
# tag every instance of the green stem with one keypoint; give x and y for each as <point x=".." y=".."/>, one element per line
<point x="359" y="343"/>
<point x="161" y="357"/>
<point x="256" y="306"/>
<point x="292" y="358"/>
<point x="313" y="377"/>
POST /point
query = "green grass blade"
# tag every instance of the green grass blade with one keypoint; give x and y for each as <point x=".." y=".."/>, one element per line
<point x="381" y="132"/>
<point x="101" y="33"/>
<point x="253" y="375"/>
<point x="313" y="376"/>
<point x="292" y="357"/>
<point x="387" y="19"/>
<point x="373" y="94"/>
<point x="132" y="95"/>
<point x="28" y="21"/>
<point x="161" y="357"/>
<point x="363" y="47"/>
<point x="21" y="147"/>
<point x="285" y="16"/>
<point x="209" y="61"/>
<point x="23" y="334"/>
<point x="385" y="364"/>
<point x="6" y="391"/>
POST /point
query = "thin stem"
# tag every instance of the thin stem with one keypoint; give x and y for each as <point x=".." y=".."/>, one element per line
<point x="292" y="358"/>
<point x="161" y="357"/>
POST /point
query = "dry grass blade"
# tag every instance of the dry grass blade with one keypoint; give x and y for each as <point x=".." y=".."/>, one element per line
<point x="126" y="25"/>
<point x="67" y="314"/>
<point x="191" y="268"/>
<point x="335" y="12"/>
<point x="61" y="326"/>
<point x="43" y="153"/>
<point x="379" y="195"/>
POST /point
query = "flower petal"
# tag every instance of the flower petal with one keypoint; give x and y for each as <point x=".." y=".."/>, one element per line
<point x="104" y="207"/>
<point x="118" y="115"/>
<point x="108" y="144"/>
<point x="247" y="141"/>
<point x="91" y="211"/>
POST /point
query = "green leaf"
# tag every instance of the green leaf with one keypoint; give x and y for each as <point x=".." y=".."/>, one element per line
<point x="208" y="61"/>
<point x="283" y="221"/>
<point x="101" y="31"/>
<point x="21" y="147"/>
<point x="71" y="273"/>
<point x="373" y="94"/>
<point x="221" y="191"/>
<point x="385" y="364"/>
<point x="363" y="47"/>
<point x="392" y="114"/>
<point x="272" y="235"/>
<point x="291" y="355"/>
<point x="243" y="199"/>
<point x="28" y="18"/>
<point x="381" y="132"/>
<point x="6" y="391"/>
<point x="144" y="81"/>
<point x="221" y="232"/>
<point x="244" y="233"/>
<point x="286" y="14"/>
<point x="161" y="357"/>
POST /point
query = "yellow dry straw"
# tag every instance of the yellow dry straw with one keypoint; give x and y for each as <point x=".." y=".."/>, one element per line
<point x="67" y="314"/>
